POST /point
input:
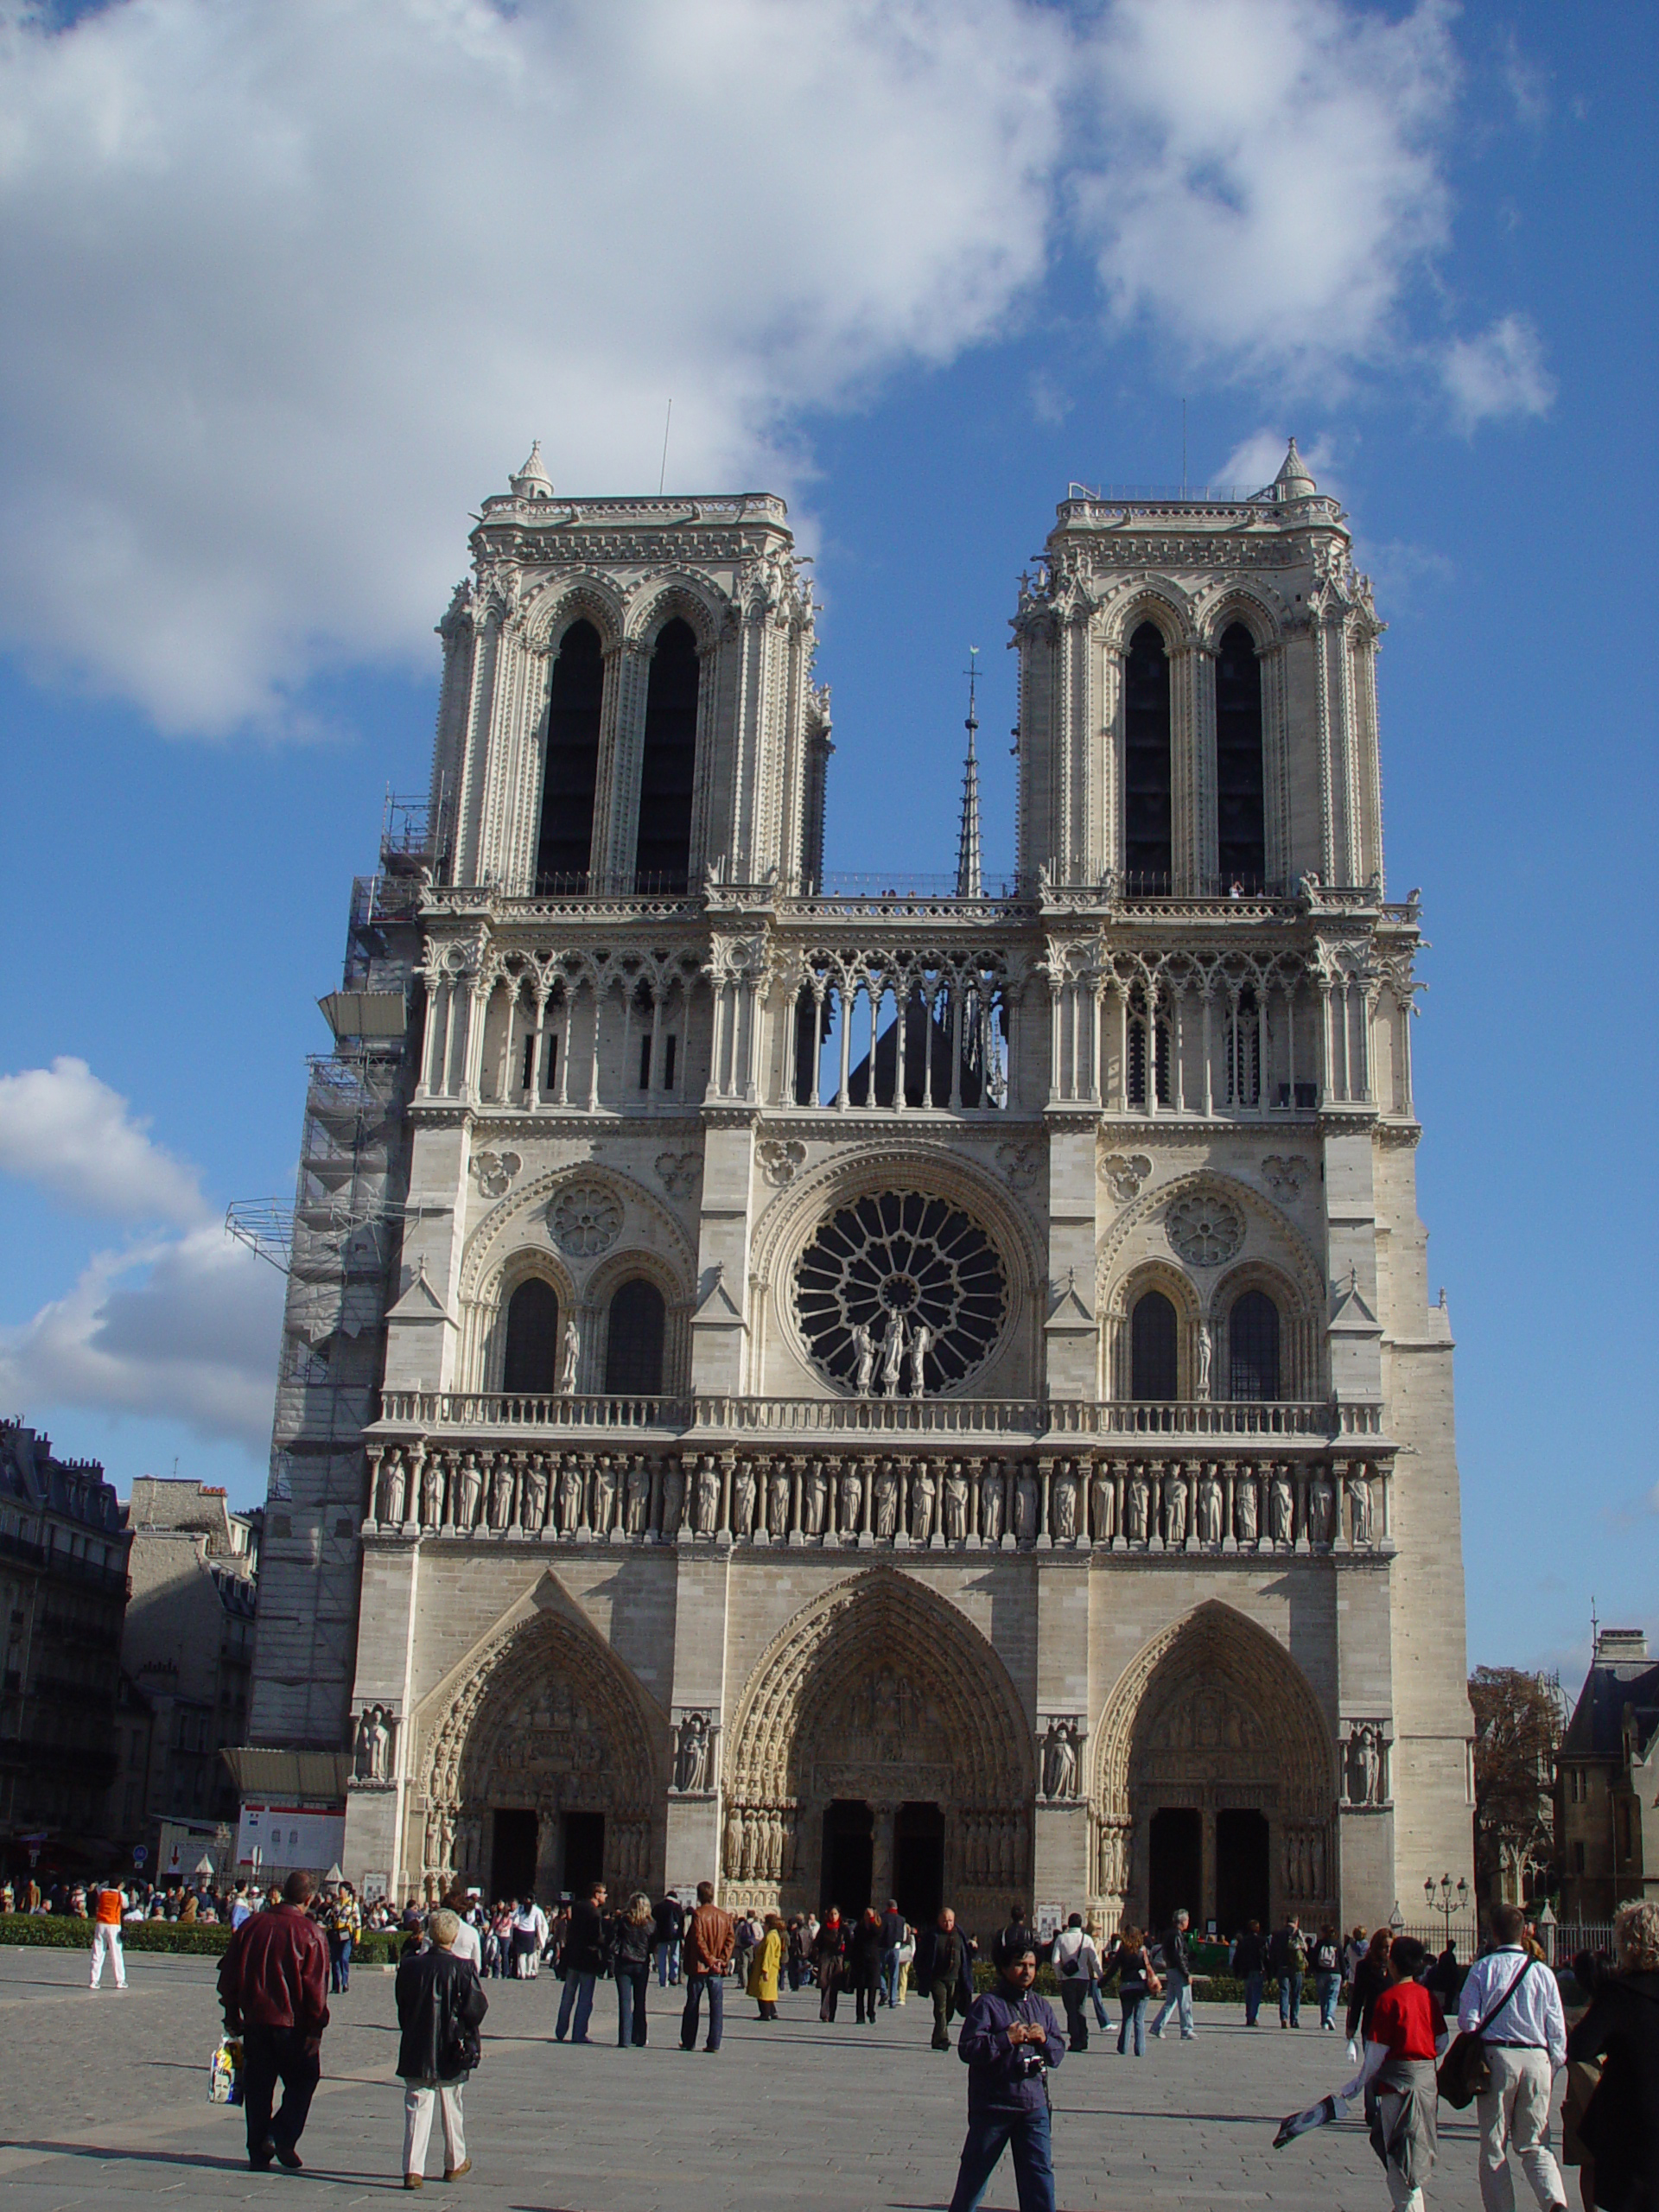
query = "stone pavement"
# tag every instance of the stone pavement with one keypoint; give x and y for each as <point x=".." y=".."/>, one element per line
<point x="104" y="2099"/>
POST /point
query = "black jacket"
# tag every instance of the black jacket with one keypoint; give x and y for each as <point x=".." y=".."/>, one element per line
<point x="440" y="2005"/>
<point x="933" y="1963"/>
<point x="1177" y="1957"/>
<point x="1249" y="1955"/>
<point x="670" y="1919"/>
<point x="584" y="1947"/>
<point x="1620" y="2125"/>
<point x="631" y="1943"/>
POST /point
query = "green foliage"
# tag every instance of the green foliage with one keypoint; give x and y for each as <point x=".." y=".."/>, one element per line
<point x="59" y="1932"/>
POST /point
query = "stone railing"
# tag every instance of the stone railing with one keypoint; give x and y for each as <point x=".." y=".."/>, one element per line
<point x="1025" y="1419"/>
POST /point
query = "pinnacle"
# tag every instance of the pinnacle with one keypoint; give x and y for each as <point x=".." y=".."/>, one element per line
<point x="1292" y="481"/>
<point x="532" y="480"/>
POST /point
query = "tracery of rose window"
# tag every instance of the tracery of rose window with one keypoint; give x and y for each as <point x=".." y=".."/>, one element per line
<point x="899" y="1294"/>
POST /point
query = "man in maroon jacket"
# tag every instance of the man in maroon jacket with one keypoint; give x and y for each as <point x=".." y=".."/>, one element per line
<point x="273" y="1983"/>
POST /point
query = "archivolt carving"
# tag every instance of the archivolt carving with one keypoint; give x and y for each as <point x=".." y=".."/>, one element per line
<point x="1217" y="1676"/>
<point x="1155" y="600"/>
<point x="590" y="596"/>
<point x="796" y="1702"/>
<point x="695" y="598"/>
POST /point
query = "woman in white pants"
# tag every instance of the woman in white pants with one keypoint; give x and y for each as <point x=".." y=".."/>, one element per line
<point x="441" y="2003"/>
<point x="108" y="1904"/>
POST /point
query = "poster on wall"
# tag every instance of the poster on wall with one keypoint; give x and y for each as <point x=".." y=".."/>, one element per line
<point x="287" y="1836"/>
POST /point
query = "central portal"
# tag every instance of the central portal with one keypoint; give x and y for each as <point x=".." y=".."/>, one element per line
<point x="848" y="1857"/>
<point x="918" y="1863"/>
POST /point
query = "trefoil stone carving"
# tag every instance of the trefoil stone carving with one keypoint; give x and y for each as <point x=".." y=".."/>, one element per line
<point x="494" y="1171"/>
<point x="780" y="1159"/>
<point x="1125" y="1173"/>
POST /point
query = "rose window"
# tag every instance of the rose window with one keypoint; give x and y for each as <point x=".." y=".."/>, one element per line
<point x="586" y="1220"/>
<point x="888" y="1272"/>
<point x="1204" y="1229"/>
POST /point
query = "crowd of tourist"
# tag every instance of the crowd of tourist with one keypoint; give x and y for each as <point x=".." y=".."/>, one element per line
<point x="291" y="1950"/>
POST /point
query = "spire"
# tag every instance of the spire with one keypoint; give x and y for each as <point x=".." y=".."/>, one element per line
<point x="969" y="885"/>
<point x="1292" y="481"/>
<point x="532" y="481"/>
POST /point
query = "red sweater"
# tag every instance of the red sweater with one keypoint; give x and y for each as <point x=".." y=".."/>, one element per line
<point x="275" y="1973"/>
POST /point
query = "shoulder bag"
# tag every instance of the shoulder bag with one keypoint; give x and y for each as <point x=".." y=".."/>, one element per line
<point x="1465" y="2070"/>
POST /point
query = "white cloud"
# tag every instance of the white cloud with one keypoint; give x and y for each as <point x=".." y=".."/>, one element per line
<point x="290" y="286"/>
<point x="1499" y="374"/>
<point x="62" y="1128"/>
<point x="1253" y="464"/>
<point x="183" y="1329"/>
<point x="1269" y="182"/>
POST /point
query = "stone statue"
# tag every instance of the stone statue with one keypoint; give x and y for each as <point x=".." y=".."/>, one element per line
<point x="432" y="1492"/>
<point x="815" y="1492"/>
<point x="923" y="1489"/>
<point x="570" y="1488"/>
<point x="1059" y="1760"/>
<point x="1359" y="1489"/>
<point x="1204" y="1355"/>
<point x="921" y="1342"/>
<point x="569" y="1353"/>
<point x="1208" y="1508"/>
<point x="1175" y="1495"/>
<point x="673" y="1496"/>
<point x="708" y="1496"/>
<point x="1102" y="1503"/>
<point x="1026" y="1499"/>
<point x="851" y="1497"/>
<point x="743" y="1497"/>
<point x="1321" y="1508"/>
<point x="604" y="1493"/>
<point x="636" y="1496"/>
<point x="393" y="1483"/>
<point x="1135" y="1503"/>
<point x="956" y="1503"/>
<point x="533" y="1501"/>
<point x="501" y="1491"/>
<point x="1065" y="1505"/>
<point x="778" y="1502"/>
<point x="892" y="1356"/>
<point x="1244" y="1507"/>
<point x="1365" y="1767"/>
<point x="864" y="1355"/>
<point x="471" y="1486"/>
<point x="1282" y="1507"/>
<point x="691" y="1754"/>
<point x="372" y="1759"/>
<point x="990" y="1502"/>
<point x="886" y="1499"/>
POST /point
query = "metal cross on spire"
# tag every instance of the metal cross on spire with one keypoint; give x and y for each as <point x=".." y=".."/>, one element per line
<point x="968" y="882"/>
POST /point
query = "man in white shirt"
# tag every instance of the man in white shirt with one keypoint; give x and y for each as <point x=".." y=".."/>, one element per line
<point x="1526" y="2041"/>
<point x="1076" y="1968"/>
<point x="467" y="1944"/>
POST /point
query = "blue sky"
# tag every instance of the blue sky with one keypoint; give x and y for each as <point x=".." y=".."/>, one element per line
<point x="282" y="313"/>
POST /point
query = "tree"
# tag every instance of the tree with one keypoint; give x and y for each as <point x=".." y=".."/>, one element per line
<point x="1519" y="1729"/>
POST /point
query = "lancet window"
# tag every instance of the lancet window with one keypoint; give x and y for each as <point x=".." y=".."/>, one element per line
<point x="1240" y="816"/>
<point x="668" y="763"/>
<point x="1148" y="778"/>
<point x="1253" y="1347"/>
<point x="634" y="1340"/>
<point x="570" y="774"/>
<point x="531" y="1365"/>
<point x="1137" y="1054"/>
<point x="1153" y="1364"/>
<point x="908" y="1034"/>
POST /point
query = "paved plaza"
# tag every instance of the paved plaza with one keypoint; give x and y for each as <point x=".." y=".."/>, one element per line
<point x="105" y="2100"/>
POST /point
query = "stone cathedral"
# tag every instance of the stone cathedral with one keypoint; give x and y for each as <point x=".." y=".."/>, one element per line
<point x="927" y="1390"/>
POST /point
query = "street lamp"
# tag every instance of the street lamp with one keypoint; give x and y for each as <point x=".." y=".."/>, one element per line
<point x="1450" y="1902"/>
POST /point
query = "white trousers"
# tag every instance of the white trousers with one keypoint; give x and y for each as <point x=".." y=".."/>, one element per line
<point x="1513" y="2115"/>
<point x="107" y="1944"/>
<point x="418" y="2101"/>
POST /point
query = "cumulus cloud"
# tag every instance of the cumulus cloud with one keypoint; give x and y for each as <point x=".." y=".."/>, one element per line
<point x="181" y="1328"/>
<point x="1270" y="179"/>
<point x="290" y="286"/>
<point x="63" y="1130"/>
<point x="1253" y="464"/>
<point x="1498" y="375"/>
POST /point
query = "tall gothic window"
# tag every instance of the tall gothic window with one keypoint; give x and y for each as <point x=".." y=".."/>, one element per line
<point x="633" y="1342"/>
<point x="1244" y="1052"/>
<point x="1253" y="1347"/>
<point x="1151" y="1347"/>
<point x="533" y="1360"/>
<point x="575" y="698"/>
<point x="1241" y="815"/>
<point x="1137" y="1067"/>
<point x="1147" y="774"/>
<point x="662" y="853"/>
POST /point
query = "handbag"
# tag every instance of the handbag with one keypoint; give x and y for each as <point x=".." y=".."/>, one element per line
<point x="1465" y="2070"/>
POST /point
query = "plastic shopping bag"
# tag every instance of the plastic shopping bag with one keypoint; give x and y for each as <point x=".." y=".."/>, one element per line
<point x="225" y="2072"/>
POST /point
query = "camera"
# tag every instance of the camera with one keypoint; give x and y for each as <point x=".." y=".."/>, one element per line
<point x="1029" y="2059"/>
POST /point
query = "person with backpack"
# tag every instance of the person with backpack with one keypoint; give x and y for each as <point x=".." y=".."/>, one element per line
<point x="1287" y="1958"/>
<point x="440" y="2006"/>
<point x="1326" y="1962"/>
<point x="1076" y="1968"/>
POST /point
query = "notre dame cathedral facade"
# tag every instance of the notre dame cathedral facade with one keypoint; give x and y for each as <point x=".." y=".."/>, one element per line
<point x="931" y="1390"/>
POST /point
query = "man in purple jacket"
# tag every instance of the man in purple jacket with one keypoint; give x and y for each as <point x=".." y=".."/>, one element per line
<point x="1009" y="2042"/>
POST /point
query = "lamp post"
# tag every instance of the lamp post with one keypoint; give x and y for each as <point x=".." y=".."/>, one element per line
<point x="1451" y="1900"/>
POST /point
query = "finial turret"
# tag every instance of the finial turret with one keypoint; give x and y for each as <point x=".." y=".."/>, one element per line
<point x="1292" y="481"/>
<point x="968" y="879"/>
<point x="532" y="481"/>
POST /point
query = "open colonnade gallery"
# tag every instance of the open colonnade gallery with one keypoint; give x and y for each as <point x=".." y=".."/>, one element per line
<point x="929" y="1390"/>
